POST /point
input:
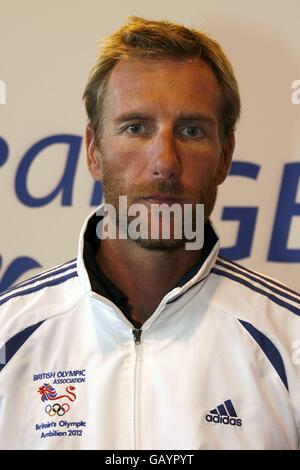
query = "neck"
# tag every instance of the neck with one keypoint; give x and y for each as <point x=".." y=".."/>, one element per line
<point x="145" y="276"/>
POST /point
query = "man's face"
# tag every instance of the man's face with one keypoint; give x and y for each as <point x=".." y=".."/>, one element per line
<point x="161" y="138"/>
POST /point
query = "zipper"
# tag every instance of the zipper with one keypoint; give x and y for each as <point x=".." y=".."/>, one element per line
<point x="137" y="333"/>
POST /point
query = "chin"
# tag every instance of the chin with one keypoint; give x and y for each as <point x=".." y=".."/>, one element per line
<point x="160" y="245"/>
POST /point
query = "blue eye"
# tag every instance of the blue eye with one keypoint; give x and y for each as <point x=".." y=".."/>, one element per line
<point x="192" y="131"/>
<point x="135" y="128"/>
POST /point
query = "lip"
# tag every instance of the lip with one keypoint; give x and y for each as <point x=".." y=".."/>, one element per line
<point x="165" y="198"/>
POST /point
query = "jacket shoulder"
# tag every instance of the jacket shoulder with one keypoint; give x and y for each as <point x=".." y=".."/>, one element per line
<point x="38" y="298"/>
<point x="245" y="286"/>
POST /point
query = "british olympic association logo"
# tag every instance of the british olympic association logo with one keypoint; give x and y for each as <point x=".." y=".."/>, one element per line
<point x="48" y="392"/>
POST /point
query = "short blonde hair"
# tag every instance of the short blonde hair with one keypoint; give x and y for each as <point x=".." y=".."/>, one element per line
<point x="159" y="40"/>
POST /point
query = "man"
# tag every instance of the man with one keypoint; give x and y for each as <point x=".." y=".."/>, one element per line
<point x="142" y="343"/>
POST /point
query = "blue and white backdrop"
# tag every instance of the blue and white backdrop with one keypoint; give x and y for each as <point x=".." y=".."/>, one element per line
<point x="46" y="50"/>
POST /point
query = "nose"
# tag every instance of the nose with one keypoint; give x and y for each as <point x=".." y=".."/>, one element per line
<point x="164" y="158"/>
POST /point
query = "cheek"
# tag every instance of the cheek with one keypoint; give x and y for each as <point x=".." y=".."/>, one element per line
<point x="123" y="156"/>
<point x="120" y="170"/>
<point x="201" y="167"/>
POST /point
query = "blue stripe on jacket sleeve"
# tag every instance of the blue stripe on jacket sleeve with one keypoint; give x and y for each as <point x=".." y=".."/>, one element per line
<point x="14" y="344"/>
<point x="269" y="349"/>
<point x="282" y="303"/>
<point x="53" y="282"/>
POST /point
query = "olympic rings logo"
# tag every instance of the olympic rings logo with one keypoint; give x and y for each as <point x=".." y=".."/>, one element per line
<point x="58" y="409"/>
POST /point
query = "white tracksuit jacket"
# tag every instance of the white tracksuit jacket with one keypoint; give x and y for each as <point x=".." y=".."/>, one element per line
<point x="217" y="365"/>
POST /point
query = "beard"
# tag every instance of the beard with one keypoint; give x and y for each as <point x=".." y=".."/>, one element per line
<point x="114" y="187"/>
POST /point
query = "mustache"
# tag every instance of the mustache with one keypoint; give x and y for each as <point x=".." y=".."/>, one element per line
<point x="170" y="188"/>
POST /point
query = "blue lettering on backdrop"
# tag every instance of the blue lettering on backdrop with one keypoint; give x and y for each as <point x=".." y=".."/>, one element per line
<point x="3" y="151"/>
<point x="287" y="208"/>
<point x="245" y="215"/>
<point x="65" y="185"/>
<point x="15" y="270"/>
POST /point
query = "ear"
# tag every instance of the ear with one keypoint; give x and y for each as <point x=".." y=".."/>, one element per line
<point x="93" y="154"/>
<point x="226" y="157"/>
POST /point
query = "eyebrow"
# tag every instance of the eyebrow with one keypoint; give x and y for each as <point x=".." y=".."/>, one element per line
<point x="132" y="117"/>
<point x="182" y="117"/>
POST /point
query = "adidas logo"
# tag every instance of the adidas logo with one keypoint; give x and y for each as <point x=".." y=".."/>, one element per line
<point x="224" y="414"/>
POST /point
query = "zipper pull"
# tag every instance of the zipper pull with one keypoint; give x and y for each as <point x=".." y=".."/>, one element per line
<point x="137" y="332"/>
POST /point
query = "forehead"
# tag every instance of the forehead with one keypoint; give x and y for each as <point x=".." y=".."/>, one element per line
<point x="163" y="85"/>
